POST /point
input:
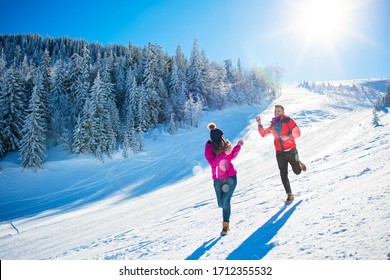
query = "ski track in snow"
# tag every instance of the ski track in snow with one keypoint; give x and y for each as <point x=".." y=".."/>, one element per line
<point x="142" y="209"/>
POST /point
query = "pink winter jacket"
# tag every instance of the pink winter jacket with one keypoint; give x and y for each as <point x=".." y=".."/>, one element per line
<point x="221" y="165"/>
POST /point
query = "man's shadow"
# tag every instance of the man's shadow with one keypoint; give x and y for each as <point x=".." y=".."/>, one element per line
<point x="256" y="246"/>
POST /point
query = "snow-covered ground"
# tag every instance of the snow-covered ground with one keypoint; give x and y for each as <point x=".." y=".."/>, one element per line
<point x="160" y="204"/>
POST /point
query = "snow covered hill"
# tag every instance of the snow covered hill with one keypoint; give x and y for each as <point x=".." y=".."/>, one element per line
<point x="160" y="204"/>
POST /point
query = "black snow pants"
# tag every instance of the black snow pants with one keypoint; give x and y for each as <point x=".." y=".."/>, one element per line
<point x="284" y="158"/>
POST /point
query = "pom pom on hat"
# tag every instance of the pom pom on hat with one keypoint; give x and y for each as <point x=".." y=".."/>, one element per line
<point x="211" y="126"/>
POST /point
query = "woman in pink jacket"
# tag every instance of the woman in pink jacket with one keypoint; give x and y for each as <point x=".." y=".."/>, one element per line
<point x="219" y="153"/>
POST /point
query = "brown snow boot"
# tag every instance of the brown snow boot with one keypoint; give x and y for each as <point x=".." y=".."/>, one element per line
<point x="303" y="167"/>
<point x="225" y="228"/>
<point x="290" y="198"/>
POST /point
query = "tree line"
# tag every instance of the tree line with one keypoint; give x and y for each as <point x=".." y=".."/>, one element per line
<point x="98" y="99"/>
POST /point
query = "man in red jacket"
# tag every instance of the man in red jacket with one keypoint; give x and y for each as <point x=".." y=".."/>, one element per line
<point x="285" y="130"/>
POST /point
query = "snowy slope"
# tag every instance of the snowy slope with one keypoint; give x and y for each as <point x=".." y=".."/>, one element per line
<point x="160" y="204"/>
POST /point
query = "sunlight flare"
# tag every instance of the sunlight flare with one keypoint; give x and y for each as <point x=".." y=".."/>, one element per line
<point x="322" y="21"/>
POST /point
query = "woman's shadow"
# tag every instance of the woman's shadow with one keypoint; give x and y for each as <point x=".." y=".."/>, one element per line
<point x="203" y="249"/>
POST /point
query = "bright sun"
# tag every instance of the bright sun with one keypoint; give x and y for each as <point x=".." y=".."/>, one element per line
<point x="321" y="21"/>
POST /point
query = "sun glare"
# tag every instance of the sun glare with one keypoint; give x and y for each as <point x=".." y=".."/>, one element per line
<point x="321" y="21"/>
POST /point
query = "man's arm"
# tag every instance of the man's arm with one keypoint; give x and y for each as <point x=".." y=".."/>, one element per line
<point x="295" y="131"/>
<point x="263" y="132"/>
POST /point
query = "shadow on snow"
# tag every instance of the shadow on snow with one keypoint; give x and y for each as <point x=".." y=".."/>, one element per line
<point x="203" y="249"/>
<point x="256" y="246"/>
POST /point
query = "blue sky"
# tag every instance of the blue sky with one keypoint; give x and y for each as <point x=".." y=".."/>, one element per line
<point x="348" y="39"/>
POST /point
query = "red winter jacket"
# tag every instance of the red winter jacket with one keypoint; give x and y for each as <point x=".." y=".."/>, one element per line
<point x="284" y="127"/>
<point x="221" y="165"/>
